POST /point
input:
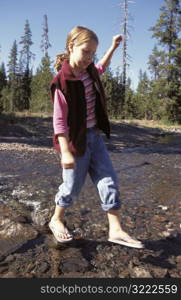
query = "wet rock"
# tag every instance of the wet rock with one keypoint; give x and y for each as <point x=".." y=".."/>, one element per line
<point x="88" y="274"/>
<point x="140" y="272"/>
<point x="10" y="258"/>
<point x="160" y="219"/>
<point x="163" y="207"/>
<point x="159" y="272"/>
<point x="73" y="261"/>
<point x="14" y="230"/>
<point x="3" y="267"/>
<point x="9" y="275"/>
<point x="40" y="217"/>
<point x="135" y="260"/>
<point x="19" y="193"/>
<point x="174" y="274"/>
<point x="74" y="264"/>
<point x="42" y="267"/>
<point x="13" y="225"/>
<point x="21" y="219"/>
<point x="110" y="273"/>
<point x="124" y="274"/>
<point x="8" y="246"/>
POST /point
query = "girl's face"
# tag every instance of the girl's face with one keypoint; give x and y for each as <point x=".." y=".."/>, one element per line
<point x="81" y="56"/>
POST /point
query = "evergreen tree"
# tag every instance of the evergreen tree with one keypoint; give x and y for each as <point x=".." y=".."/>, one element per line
<point x="129" y="107"/>
<point x="12" y="91"/>
<point x="118" y="94"/>
<point x="167" y="60"/>
<point x="156" y="59"/>
<point x="25" y="72"/>
<point x="113" y="90"/>
<point x="3" y="78"/>
<point x="40" y="100"/>
<point x="106" y="79"/>
<point x="26" y="42"/>
<point x="3" y="83"/>
<point x="13" y="62"/>
<point x="143" y="97"/>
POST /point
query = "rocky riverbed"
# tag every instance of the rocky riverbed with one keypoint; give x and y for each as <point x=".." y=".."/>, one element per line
<point x="148" y="164"/>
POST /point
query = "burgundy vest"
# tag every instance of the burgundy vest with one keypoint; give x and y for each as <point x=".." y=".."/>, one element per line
<point x="74" y="93"/>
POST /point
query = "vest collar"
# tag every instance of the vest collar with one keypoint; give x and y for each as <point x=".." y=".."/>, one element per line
<point x="67" y="70"/>
<point x="66" y="73"/>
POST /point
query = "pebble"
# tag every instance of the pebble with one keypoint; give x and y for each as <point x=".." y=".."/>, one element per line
<point x="163" y="207"/>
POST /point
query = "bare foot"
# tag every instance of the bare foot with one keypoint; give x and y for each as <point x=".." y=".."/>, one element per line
<point x="123" y="238"/>
<point x="61" y="231"/>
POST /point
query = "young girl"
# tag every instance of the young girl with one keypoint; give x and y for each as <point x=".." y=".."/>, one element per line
<point x="79" y="115"/>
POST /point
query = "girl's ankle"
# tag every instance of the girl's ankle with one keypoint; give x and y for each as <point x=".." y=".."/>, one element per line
<point x="116" y="229"/>
<point x="54" y="219"/>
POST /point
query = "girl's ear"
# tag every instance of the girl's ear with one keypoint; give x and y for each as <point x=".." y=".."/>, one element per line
<point x="70" y="46"/>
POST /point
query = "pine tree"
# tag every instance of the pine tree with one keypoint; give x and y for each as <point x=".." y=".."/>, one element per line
<point x="118" y="90"/>
<point x="156" y="59"/>
<point x="113" y="90"/>
<point x="25" y="73"/>
<point x="26" y="42"/>
<point x="40" y="100"/>
<point x="13" y="62"/>
<point x="106" y="79"/>
<point x="168" y="80"/>
<point x="3" y="83"/>
<point x="3" y="77"/>
<point x="12" y="92"/>
<point x="143" y="96"/>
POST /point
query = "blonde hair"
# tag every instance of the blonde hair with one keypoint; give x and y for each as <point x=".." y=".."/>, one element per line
<point x="78" y="34"/>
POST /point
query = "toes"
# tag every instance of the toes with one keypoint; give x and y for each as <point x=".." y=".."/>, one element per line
<point x="65" y="235"/>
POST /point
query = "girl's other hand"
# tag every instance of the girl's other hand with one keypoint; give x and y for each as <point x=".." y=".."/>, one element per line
<point x="116" y="41"/>
<point x="67" y="160"/>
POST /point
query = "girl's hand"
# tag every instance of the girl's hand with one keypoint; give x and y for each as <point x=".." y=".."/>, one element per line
<point x="67" y="160"/>
<point x="116" y="41"/>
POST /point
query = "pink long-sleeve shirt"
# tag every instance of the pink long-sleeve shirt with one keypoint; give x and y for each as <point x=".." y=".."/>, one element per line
<point x="60" y="110"/>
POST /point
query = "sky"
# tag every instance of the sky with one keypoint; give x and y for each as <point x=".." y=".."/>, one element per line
<point x="102" y="16"/>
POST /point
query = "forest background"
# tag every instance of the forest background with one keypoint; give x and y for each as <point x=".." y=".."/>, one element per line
<point x="157" y="95"/>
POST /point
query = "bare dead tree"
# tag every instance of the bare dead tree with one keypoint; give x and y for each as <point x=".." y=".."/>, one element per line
<point x="125" y="29"/>
<point x="45" y="44"/>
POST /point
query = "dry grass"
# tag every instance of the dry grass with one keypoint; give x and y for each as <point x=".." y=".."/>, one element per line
<point x="152" y="124"/>
<point x="143" y="123"/>
<point x="27" y="113"/>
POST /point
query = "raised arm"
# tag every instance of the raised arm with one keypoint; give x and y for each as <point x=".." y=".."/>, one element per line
<point x="107" y="57"/>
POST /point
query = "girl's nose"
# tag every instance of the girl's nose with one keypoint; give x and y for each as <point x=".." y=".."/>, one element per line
<point x="90" y="58"/>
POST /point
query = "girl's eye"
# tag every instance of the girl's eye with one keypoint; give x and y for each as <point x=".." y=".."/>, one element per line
<point x="88" y="53"/>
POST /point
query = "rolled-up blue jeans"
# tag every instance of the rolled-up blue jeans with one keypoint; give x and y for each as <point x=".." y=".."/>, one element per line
<point x="97" y="164"/>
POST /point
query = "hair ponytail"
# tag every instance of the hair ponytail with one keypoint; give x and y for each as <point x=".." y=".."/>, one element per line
<point x="59" y="60"/>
